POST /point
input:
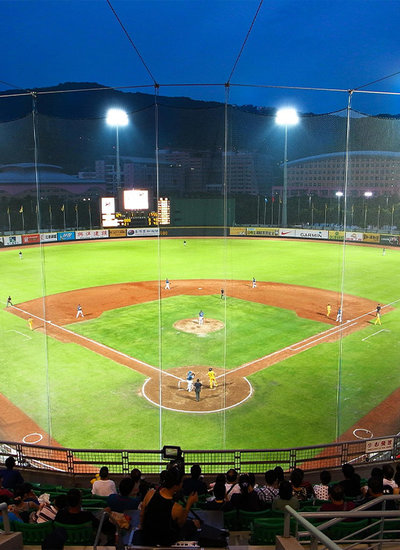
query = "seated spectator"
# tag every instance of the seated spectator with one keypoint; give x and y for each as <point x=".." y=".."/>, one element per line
<point x="103" y="486"/>
<point x="351" y="483"/>
<point x="375" y="490"/>
<point x="321" y="490"/>
<point x="47" y="512"/>
<point x="247" y="499"/>
<point x="270" y="490"/>
<point x="73" y="514"/>
<point x="397" y="474"/>
<point x="162" y="520"/>
<point x="302" y="490"/>
<point x="10" y="477"/>
<point x="221" y="478"/>
<point x="123" y="501"/>
<point x="337" y="501"/>
<point x="388" y="475"/>
<point x="285" y="498"/>
<point x="279" y="474"/>
<point x="231" y="485"/>
<point x="12" y="513"/>
<point x="218" y="502"/>
<point x="25" y="501"/>
<point x="5" y="492"/>
<point x="195" y="483"/>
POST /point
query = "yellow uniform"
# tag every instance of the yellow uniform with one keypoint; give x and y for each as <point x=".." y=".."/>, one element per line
<point x="328" y="310"/>
<point x="378" y="319"/>
<point x="30" y="323"/>
<point x="211" y="378"/>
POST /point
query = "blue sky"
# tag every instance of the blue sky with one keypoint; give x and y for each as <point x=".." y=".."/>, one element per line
<point x="312" y="43"/>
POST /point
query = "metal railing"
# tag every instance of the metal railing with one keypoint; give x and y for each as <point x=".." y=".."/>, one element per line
<point x="88" y="461"/>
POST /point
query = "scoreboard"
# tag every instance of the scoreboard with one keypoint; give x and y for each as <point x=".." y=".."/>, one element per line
<point x="163" y="211"/>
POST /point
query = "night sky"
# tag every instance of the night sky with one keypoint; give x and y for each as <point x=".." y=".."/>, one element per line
<point x="312" y="43"/>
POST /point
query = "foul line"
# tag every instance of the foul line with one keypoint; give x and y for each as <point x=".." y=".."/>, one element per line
<point x="21" y="333"/>
<point x="166" y="373"/>
<point x="375" y="333"/>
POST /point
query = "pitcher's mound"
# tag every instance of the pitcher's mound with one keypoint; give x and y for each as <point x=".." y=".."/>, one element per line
<point x="192" y="326"/>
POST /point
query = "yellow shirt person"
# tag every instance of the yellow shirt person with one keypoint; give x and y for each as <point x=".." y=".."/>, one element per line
<point x="211" y="378"/>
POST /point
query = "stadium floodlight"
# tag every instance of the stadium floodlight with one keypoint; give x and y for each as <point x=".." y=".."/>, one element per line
<point x="286" y="117"/>
<point x="339" y="194"/>
<point x="367" y="195"/>
<point x="117" y="118"/>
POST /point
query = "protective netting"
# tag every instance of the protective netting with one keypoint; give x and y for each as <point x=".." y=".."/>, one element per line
<point x="287" y="372"/>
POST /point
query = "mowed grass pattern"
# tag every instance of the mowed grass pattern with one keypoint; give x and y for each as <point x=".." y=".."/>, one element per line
<point x="252" y="331"/>
<point x="95" y="402"/>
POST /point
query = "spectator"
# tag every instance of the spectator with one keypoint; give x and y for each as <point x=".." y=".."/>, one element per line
<point x="5" y="492"/>
<point x="351" y="483"/>
<point x="73" y="514"/>
<point x="247" y="499"/>
<point x="123" y="501"/>
<point x="162" y="520"/>
<point x="337" y="501"/>
<point x="268" y="492"/>
<point x="285" y="498"/>
<point x="321" y="490"/>
<point x="375" y="490"/>
<point x="231" y="485"/>
<point x="221" y="478"/>
<point x="12" y="513"/>
<point x="301" y="490"/>
<point x="25" y="501"/>
<point x="104" y="486"/>
<point x="195" y="483"/>
<point x="218" y="502"/>
<point x="388" y="474"/>
<point x="47" y="512"/>
<point x="279" y="474"/>
<point x="397" y="474"/>
<point x="10" y="477"/>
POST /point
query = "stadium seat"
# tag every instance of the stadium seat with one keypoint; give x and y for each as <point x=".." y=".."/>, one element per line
<point x="346" y="529"/>
<point x="246" y="519"/>
<point x="231" y="520"/>
<point x="78" y="535"/>
<point x="265" y="530"/>
<point x="33" y="533"/>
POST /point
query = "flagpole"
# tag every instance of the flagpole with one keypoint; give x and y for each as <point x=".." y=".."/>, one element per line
<point x="90" y="216"/>
<point x="51" y="218"/>
<point x="76" y="216"/>
<point x="9" y="219"/>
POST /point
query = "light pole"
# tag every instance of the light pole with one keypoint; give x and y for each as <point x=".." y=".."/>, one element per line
<point x="367" y="195"/>
<point x="286" y="117"/>
<point x="117" y="118"/>
<point x="338" y="194"/>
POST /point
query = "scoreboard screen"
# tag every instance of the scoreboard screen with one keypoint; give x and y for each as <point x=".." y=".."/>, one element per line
<point x="136" y="199"/>
<point x="163" y="211"/>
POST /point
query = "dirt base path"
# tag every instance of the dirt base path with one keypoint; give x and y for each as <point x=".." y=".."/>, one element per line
<point x="52" y="313"/>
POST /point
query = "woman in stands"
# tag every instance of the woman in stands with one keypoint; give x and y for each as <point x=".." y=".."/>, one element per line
<point x="248" y="498"/>
<point x="285" y="497"/>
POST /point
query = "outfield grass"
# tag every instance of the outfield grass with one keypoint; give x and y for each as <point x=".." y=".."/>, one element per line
<point x="252" y="331"/>
<point x="94" y="402"/>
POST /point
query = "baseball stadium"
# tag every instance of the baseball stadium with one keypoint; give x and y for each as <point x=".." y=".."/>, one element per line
<point x="197" y="274"/>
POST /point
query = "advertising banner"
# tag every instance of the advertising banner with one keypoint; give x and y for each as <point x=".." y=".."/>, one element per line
<point x="1" y="242"/>
<point x="336" y="235"/>
<point x="91" y="234"/>
<point x="143" y="232"/>
<point x="354" y="236"/>
<point x="48" y="237"/>
<point x="30" y="239"/>
<point x="117" y="232"/>
<point x="390" y="240"/>
<point x="304" y="233"/>
<point x="263" y="231"/>
<point x="375" y="445"/>
<point x="371" y="238"/>
<point x="66" y="236"/>
<point x="287" y="232"/>
<point x="12" y="240"/>
<point x="239" y="231"/>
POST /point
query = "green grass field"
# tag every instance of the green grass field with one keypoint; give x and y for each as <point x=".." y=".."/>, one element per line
<point x="86" y="400"/>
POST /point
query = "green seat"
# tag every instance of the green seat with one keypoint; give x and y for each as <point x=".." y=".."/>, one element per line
<point x="90" y="503"/>
<point x="78" y="535"/>
<point x="310" y="508"/>
<point x="346" y="530"/>
<point x="246" y="519"/>
<point x="265" y="530"/>
<point x="319" y="502"/>
<point x="231" y="520"/>
<point x="304" y="503"/>
<point x="33" y="533"/>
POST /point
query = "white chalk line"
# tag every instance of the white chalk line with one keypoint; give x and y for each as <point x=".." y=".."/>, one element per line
<point x="375" y="333"/>
<point x="21" y="333"/>
<point x="195" y="411"/>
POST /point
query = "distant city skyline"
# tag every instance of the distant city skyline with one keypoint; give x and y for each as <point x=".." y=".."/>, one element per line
<point x="313" y="43"/>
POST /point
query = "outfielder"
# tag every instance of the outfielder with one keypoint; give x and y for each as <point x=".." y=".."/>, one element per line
<point x="167" y="287"/>
<point x="79" y="312"/>
<point x="254" y="283"/>
<point x="9" y="302"/>
<point x="212" y="379"/>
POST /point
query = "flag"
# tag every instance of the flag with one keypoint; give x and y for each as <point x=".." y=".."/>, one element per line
<point x="392" y="209"/>
<point x="8" y="210"/>
<point x="62" y="208"/>
<point x="266" y="199"/>
<point x="49" y="208"/>
<point x="326" y="207"/>
<point x="36" y="209"/>
<point x="273" y="199"/>
<point x="76" y="208"/>
<point x="21" y="210"/>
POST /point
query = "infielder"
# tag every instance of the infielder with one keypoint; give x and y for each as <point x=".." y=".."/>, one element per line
<point x="377" y="319"/>
<point x="222" y="293"/>
<point x="9" y="302"/>
<point x="79" y="312"/>
<point x="328" y="310"/>
<point x="339" y="315"/>
<point x="254" y="283"/>
<point x="189" y="379"/>
<point x="167" y="287"/>
<point x="201" y="317"/>
<point x="212" y="379"/>
<point x="30" y="323"/>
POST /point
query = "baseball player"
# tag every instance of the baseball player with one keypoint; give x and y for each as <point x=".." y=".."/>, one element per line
<point x="212" y="379"/>
<point x="377" y="319"/>
<point x="328" y="310"/>
<point x="79" y="312"/>
<point x="9" y="302"/>
<point x="339" y="315"/>
<point x="30" y="323"/>
<point x="167" y="287"/>
<point x="383" y="251"/>
<point x="20" y="255"/>
<point x="189" y="379"/>
<point x="197" y="389"/>
<point x="254" y="283"/>
<point x="201" y="317"/>
<point x="222" y="293"/>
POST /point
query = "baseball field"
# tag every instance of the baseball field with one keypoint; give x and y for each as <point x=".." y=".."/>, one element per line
<point x="287" y="374"/>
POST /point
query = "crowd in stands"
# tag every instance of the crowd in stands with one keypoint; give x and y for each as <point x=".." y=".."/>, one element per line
<point x="165" y="507"/>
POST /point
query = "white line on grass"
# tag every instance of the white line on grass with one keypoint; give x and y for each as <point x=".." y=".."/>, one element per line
<point x="21" y="333"/>
<point x="375" y="333"/>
